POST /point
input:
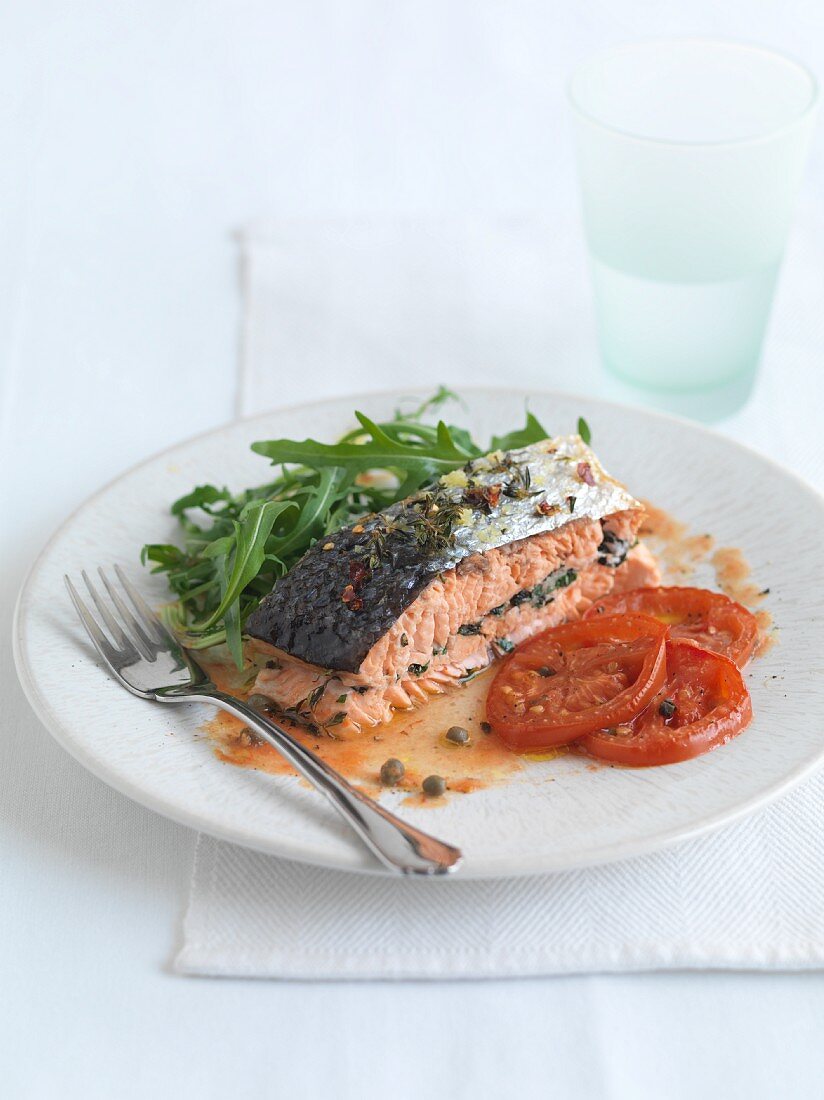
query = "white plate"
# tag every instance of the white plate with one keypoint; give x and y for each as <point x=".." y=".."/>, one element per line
<point x="158" y="755"/>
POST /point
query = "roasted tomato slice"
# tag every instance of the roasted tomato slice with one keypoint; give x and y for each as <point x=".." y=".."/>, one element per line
<point x="708" y="618"/>
<point x="703" y="703"/>
<point x="577" y="678"/>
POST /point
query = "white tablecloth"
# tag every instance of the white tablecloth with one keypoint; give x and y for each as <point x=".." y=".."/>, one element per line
<point x="137" y="138"/>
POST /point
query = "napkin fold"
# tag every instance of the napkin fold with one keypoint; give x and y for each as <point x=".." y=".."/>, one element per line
<point x="336" y="306"/>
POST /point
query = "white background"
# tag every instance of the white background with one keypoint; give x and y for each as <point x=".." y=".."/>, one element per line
<point x="136" y="138"/>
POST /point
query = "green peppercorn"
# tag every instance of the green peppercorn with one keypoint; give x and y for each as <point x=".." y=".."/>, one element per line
<point x="392" y="771"/>
<point x="262" y="704"/>
<point x="434" y="785"/>
<point x="486" y="727"/>
<point x="667" y="708"/>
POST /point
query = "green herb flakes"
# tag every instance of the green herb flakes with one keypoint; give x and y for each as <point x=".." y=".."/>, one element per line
<point x="467" y="629"/>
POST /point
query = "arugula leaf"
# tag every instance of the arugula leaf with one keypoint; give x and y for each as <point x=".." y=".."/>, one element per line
<point x="241" y="563"/>
<point x="312" y="516"/>
<point x="163" y="554"/>
<point x="583" y="431"/>
<point x="378" y="451"/>
<point x="220" y="547"/>
<point x="406" y="431"/>
<point x="202" y="495"/>
<point x="532" y="432"/>
<point x="231" y="617"/>
<point x="462" y="439"/>
<point x="438" y="398"/>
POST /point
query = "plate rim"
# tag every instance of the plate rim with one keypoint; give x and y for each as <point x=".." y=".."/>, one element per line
<point x="289" y="849"/>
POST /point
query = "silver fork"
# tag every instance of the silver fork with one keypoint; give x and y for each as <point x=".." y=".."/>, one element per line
<point x="149" y="662"/>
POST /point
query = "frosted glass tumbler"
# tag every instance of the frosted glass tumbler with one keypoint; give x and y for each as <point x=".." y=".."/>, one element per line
<point x="690" y="154"/>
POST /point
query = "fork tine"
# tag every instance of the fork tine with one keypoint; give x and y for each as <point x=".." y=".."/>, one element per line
<point x="149" y="619"/>
<point x="99" y="640"/>
<point x="138" y="636"/>
<point x="115" y="629"/>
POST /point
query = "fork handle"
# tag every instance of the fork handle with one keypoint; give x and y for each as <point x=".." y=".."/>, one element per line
<point x="399" y="846"/>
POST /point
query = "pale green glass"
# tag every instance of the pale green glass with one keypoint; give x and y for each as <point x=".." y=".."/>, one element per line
<point x="690" y="154"/>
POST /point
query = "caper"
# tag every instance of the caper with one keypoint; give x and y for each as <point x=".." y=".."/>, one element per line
<point x="545" y="670"/>
<point x="434" y="785"/>
<point x="457" y="735"/>
<point x="261" y="703"/>
<point x="392" y="772"/>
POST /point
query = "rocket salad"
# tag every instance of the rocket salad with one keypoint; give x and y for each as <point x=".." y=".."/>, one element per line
<point x="235" y="545"/>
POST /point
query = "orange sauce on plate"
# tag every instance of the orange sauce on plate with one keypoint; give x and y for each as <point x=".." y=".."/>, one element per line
<point x="417" y="737"/>
<point x="680" y="554"/>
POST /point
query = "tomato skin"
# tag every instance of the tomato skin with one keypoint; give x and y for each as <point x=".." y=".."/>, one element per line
<point x="711" y="619"/>
<point x="598" y="673"/>
<point x="712" y="706"/>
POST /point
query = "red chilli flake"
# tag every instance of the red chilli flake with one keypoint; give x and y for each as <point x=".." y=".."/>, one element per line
<point x="351" y="599"/>
<point x="358" y="574"/>
<point x="544" y="508"/>
<point x="484" y="497"/>
<point x="585" y="473"/>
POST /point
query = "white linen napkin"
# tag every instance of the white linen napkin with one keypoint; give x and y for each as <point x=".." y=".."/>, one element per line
<point x="336" y="306"/>
<point x="751" y="896"/>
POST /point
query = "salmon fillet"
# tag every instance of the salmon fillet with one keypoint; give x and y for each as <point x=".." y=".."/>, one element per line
<point x="351" y="635"/>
